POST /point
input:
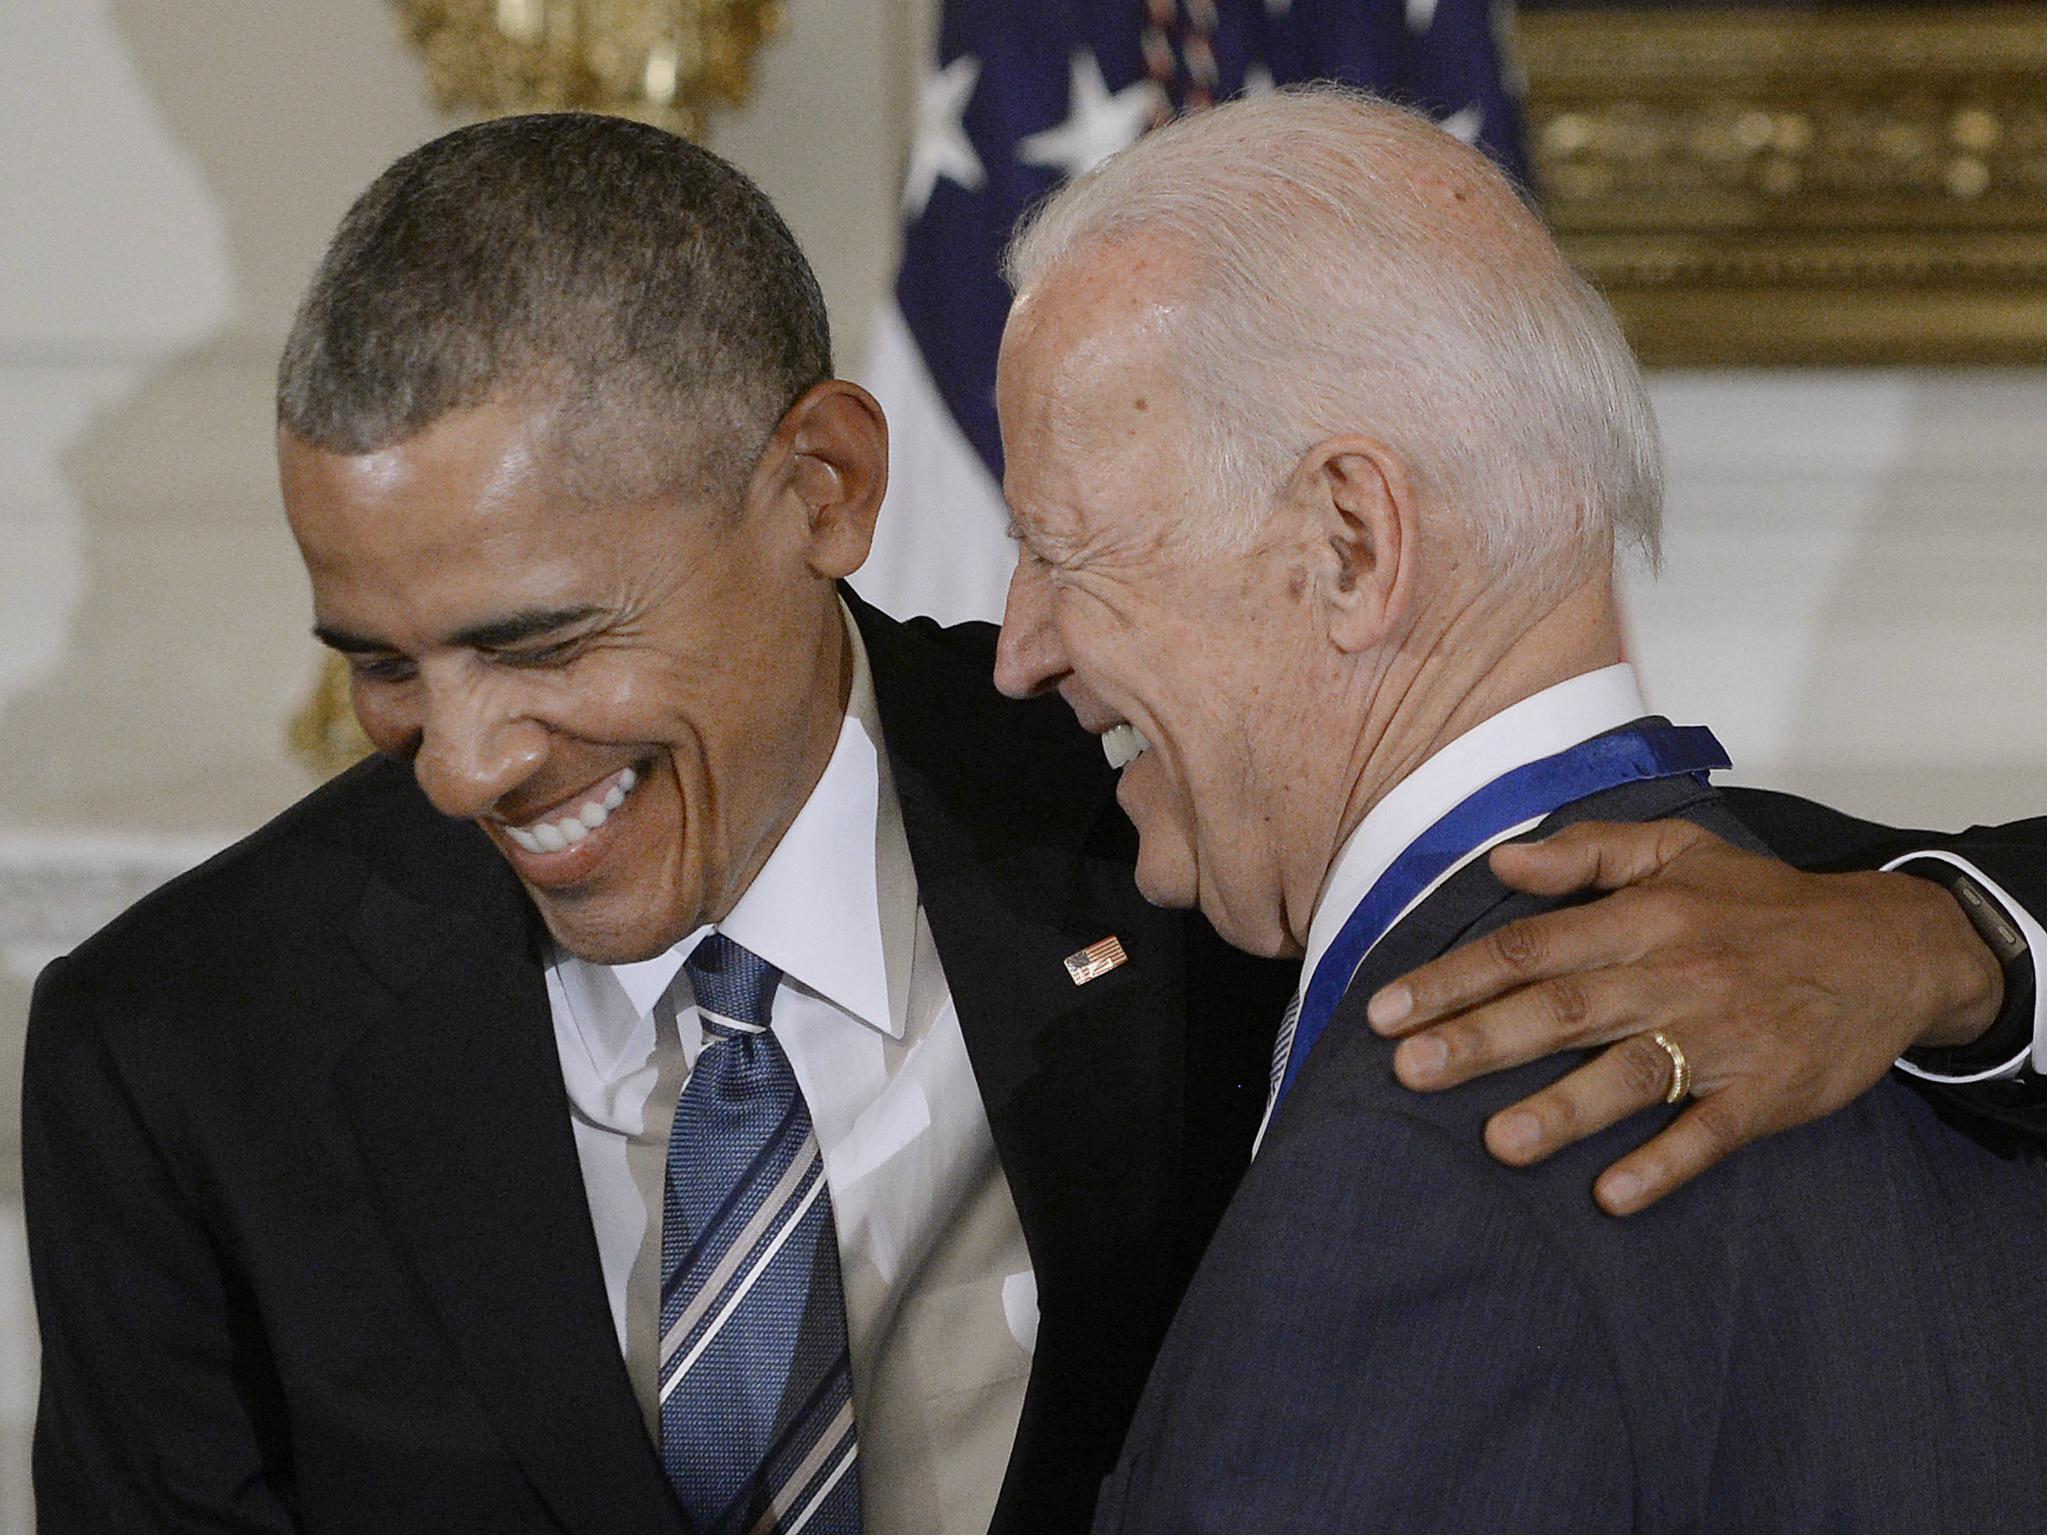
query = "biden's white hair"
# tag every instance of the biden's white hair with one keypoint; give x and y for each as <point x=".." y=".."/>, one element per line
<point x="1349" y="267"/>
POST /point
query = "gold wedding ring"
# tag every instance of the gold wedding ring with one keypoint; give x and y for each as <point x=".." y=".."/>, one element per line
<point x="1681" y="1069"/>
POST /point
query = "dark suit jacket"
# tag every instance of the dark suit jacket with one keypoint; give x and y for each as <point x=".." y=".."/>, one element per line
<point x="309" y="1236"/>
<point x="1838" y="1329"/>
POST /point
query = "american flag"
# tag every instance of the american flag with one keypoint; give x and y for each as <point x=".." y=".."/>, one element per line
<point x="1021" y="98"/>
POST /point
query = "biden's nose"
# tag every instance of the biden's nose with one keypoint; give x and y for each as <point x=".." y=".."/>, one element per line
<point x="1028" y="655"/>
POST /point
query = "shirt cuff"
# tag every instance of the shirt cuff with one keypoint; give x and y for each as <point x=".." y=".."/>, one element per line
<point x="2037" y="954"/>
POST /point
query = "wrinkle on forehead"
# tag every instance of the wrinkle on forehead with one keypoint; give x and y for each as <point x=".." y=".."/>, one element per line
<point x="1094" y="344"/>
<point x="1095" y="425"/>
<point x="450" y="474"/>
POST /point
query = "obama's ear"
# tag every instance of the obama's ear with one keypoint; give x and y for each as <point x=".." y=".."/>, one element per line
<point x="828" y="463"/>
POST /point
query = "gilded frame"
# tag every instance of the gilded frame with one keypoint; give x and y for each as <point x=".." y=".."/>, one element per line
<point x="1761" y="185"/>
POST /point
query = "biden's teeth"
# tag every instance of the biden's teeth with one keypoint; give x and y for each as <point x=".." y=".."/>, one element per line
<point x="524" y="839"/>
<point x="1121" y="744"/>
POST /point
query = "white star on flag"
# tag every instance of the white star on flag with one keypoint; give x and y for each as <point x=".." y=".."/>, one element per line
<point x="1464" y="125"/>
<point x="941" y="147"/>
<point x="1098" y="124"/>
<point x="1023" y="102"/>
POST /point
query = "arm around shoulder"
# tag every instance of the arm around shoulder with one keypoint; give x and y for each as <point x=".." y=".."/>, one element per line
<point x="1997" y="879"/>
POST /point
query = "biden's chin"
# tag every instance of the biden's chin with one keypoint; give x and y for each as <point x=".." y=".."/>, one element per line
<point x="1267" y="939"/>
<point x="1246" y="913"/>
<point x="1165" y="874"/>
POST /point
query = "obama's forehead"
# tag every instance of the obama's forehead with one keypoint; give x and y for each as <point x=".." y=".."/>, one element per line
<point x="465" y="529"/>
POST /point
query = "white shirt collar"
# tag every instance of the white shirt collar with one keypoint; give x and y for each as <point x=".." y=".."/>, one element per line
<point x="834" y="907"/>
<point x="1539" y="726"/>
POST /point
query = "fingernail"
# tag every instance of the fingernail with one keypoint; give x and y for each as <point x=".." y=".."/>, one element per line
<point x="1390" y="1005"/>
<point x="1424" y="1056"/>
<point x="1624" y="1189"/>
<point x="1518" y="1131"/>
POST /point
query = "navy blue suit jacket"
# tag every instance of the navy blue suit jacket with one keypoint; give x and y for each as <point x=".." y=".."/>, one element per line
<point x="1839" y="1329"/>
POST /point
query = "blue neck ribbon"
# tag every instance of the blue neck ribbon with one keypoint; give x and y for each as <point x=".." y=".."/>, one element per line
<point x="1652" y="749"/>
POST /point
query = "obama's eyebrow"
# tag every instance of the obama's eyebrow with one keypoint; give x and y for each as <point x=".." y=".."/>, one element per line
<point x="490" y="635"/>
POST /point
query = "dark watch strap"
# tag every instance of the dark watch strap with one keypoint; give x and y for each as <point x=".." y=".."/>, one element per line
<point x="2012" y="1032"/>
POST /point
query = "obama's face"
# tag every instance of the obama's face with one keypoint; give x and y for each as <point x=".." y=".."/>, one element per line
<point x="631" y="700"/>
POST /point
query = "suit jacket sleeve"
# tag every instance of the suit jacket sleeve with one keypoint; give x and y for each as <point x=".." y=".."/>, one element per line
<point x="1816" y="837"/>
<point x="2007" y="1115"/>
<point x="157" y="1410"/>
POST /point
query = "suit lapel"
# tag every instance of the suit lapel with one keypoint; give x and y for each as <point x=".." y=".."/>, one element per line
<point x="1066" y="1071"/>
<point x="1016" y="870"/>
<point x="1022" y="859"/>
<point x="456" y="1096"/>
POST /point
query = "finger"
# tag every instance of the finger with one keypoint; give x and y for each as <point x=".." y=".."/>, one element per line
<point x="1531" y="949"/>
<point x="1621" y="1080"/>
<point x="1584" y="1008"/>
<point x="1604" y="855"/>
<point x="1682" y="1151"/>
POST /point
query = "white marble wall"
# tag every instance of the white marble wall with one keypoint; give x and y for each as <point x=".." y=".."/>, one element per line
<point x="1853" y="588"/>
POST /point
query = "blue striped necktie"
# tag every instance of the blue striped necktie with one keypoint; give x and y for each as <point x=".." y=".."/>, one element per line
<point x="756" y="1390"/>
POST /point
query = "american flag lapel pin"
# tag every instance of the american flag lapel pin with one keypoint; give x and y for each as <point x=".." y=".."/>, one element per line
<point x="1098" y="959"/>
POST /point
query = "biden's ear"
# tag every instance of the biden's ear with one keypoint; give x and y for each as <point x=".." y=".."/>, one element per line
<point x="826" y="467"/>
<point x="1361" y="518"/>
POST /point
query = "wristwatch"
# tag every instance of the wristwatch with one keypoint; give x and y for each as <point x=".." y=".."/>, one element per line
<point x="2012" y="1032"/>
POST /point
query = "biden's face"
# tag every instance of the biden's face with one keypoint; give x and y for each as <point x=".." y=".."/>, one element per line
<point x="1192" y="662"/>
<point x="631" y="701"/>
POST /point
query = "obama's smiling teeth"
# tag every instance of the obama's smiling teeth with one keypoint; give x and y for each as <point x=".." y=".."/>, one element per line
<point x="552" y="836"/>
<point x="1121" y="744"/>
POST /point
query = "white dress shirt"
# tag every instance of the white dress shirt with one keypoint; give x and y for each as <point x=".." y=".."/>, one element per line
<point x="1539" y="726"/>
<point x="941" y="1302"/>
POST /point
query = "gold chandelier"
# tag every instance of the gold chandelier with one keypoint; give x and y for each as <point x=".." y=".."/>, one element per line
<point x="667" y="62"/>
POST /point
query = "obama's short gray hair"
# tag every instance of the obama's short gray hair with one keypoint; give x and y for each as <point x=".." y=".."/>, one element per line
<point x="635" y="284"/>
